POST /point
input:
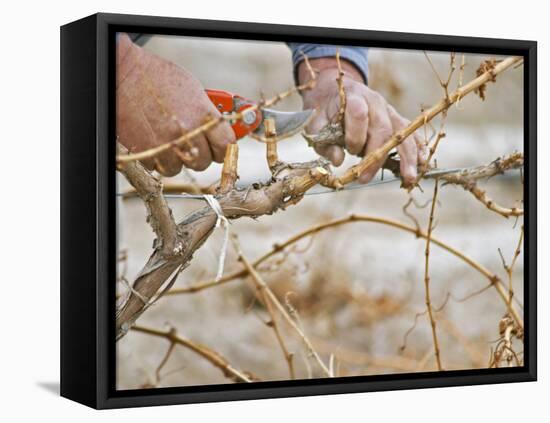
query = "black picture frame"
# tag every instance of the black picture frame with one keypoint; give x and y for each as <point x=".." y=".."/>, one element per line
<point x="88" y="210"/>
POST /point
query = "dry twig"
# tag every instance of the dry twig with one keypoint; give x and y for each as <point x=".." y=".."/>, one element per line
<point x="159" y="215"/>
<point x="504" y="351"/>
<point x="271" y="144"/>
<point x="380" y="153"/>
<point x="163" y="362"/>
<point x="288" y="186"/>
<point x="269" y="297"/>
<point x="229" y="170"/>
<point x="467" y="180"/>
<point x="262" y="288"/>
<point x="493" y="278"/>
<point x="509" y="269"/>
<point x="176" y="244"/>
<point x="341" y="92"/>
<point x="212" y="356"/>
<point x="427" y="279"/>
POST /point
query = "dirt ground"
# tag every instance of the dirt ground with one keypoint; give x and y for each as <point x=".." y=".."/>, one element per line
<point x="357" y="288"/>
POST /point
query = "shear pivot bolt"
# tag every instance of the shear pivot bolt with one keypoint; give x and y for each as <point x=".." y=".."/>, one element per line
<point x="249" y="117"/>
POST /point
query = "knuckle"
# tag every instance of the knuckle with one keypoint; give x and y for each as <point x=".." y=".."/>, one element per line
<point x="226" y="134"/>
<point x="378" y="100"/>
<point x="357" y="108"/>
<point x="384" y="132"/>
<point x="320" y="150"/>
<point x="199" y="165"/>
<point x="217" y="157"/>
<point x="354" y="144"/>
<point x="409" y="179"/>
<point x="217" y="145"/>
<point x="170" y="170"/>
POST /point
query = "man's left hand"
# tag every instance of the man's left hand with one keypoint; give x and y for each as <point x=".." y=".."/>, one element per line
<point x="369" y="120"/>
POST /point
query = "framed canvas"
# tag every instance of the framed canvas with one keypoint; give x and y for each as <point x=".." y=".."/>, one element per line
<point x="257" y="211"/>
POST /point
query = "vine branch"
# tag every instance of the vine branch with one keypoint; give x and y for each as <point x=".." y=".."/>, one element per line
<point x="444" y="104"/>
<point x="159" y="214"/>
<point x="176" y="244"/>
<point x="210" y="355"/>
<point x="467" y="180"/>
<point x="427" y="278"/>
<point x="270" y="298"/>
<point x="493" y="278"/>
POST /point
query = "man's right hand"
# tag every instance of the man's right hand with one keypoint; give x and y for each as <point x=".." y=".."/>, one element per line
<point x="157" y="102"/>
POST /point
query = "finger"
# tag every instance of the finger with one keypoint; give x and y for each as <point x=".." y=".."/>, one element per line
<point x="356" y="120"/>
<point x="319" y="121"/>
<point x="219" y="138"/>
<point x="408" y="151"/>
<point x="379" y="132"/>
<point x="167" y="163"/>
<point x="196" y="153"/>
<point x="333" y="153"/>
<point x="408" y="160"/>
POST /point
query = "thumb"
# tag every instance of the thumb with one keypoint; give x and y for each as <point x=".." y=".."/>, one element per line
<point x="333" y="153"/>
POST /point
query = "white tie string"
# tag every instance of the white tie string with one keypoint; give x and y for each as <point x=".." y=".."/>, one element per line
<point x="220" y="221"/>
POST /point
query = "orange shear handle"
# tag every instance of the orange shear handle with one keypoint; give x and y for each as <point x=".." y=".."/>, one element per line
<point x="227" y="102"/>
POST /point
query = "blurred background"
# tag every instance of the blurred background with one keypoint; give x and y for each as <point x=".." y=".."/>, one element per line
<point x="357" y="288"/>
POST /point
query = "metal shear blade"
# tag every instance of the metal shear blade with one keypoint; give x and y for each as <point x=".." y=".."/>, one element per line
<point x="286" y="123"/>
<point x="252" y="121"/>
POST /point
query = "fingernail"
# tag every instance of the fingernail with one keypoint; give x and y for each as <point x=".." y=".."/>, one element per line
<point x="411" y="170"/>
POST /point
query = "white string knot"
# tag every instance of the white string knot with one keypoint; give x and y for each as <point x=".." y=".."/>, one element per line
<point x="223" y="222"/>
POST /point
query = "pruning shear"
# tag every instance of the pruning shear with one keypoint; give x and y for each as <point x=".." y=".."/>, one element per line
<point x="252" y="122"/>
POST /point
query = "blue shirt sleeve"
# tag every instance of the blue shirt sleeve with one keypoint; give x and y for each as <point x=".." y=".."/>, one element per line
<point x="355" y="55"/>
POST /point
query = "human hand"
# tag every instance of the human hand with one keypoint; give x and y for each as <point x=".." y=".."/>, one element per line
<point x="369" y="120"/>
<point x="157" y="102"/>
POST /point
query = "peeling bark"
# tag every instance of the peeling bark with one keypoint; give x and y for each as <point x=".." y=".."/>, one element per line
<point x="289" y="184"/>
